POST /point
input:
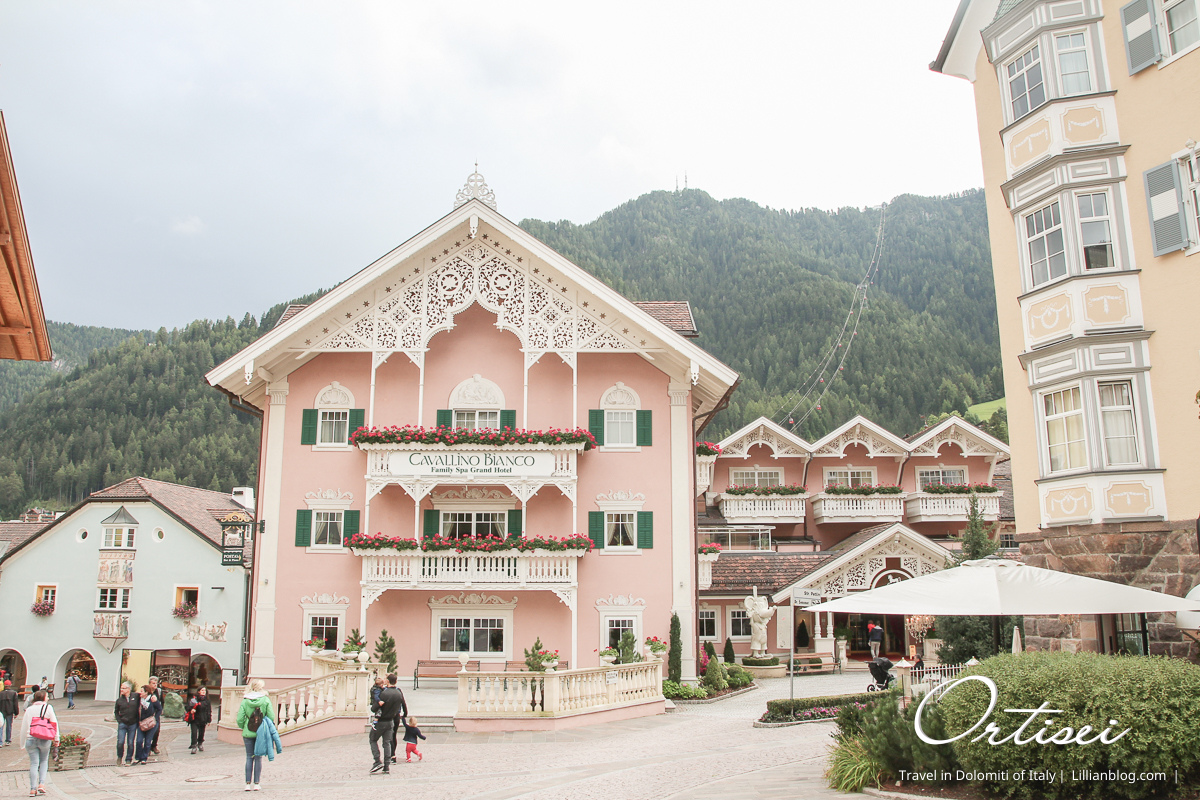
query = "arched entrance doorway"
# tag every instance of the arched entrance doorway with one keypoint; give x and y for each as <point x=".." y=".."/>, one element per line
<point x="80" y="663"/>
<point x="205" y="671"/>
<point x="13" y="664"/>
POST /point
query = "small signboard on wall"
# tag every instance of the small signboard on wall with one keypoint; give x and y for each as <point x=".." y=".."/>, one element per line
<point x="803" y="598"/>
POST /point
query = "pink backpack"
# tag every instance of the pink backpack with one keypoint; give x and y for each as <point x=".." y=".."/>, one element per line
<point x="42" y="728"/>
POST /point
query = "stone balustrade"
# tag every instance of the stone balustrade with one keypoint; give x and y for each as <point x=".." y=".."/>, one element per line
<point x="509" y="695"/>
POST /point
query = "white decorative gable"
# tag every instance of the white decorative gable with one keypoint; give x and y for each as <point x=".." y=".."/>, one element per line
<point x="763" y="431"/>
<point x="876" y="440"/>
<point x="971" y="440"/>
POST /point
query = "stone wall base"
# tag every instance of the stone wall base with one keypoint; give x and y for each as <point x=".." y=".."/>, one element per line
<point x="1161" y="556"/>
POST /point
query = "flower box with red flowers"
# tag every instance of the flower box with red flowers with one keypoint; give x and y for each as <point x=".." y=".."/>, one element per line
<point x="474" y="437"/>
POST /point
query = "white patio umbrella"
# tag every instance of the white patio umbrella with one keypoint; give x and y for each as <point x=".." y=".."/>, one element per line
<point x="1017" y="648"/>
<point x="999" y="587"/>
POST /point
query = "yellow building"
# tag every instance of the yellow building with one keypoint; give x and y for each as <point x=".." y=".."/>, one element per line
<point x="1088" y="123"/>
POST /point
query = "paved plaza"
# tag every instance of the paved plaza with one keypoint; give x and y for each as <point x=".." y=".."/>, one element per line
<point x="698" y="751"/>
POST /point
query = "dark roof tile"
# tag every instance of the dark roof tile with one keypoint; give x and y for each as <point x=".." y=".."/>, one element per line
<point x="675" y="314"/>
<point x="736" y="573"/>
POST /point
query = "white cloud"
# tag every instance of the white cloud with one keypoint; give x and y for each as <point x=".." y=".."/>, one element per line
<point x="188" y="226"/>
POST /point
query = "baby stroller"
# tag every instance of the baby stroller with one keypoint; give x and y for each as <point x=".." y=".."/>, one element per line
<point x="879" y="672"/>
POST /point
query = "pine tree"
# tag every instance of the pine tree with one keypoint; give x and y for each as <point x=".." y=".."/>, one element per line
<point x="675" y="657"/>
<point x="533" y="659"/>
<point x="385" y="650"/>
<point x="729" y="656"/>
<point x="627" y="648"/>
<point x="977" y="541"/>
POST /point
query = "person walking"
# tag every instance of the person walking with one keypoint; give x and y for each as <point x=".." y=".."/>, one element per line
<point x="29" y="699"/>
<point x="125" y="712"/>
<point x="39" y="729"/>
<point x="198" y="715"/>
<point x="72" y="686"/>
<point x="875" y="638"/>
<point x="255" y="712"/>
<point x="156" y="688"/>
<point x="391" y="705"/>
<point x="149" y="709"/>
<point x="411" y="734"/>
<point x="9" y="708"/>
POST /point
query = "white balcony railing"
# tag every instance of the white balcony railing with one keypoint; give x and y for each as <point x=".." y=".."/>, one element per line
<point x="483" y="695"/>
<point x="762" y="508"/>
<point x="923" y="507"/>
<point x="857" y="508"/>
<point x="450" y="570"/>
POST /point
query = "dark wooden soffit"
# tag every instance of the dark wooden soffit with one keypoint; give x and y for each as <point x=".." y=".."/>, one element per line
<point x="22" y="322"/>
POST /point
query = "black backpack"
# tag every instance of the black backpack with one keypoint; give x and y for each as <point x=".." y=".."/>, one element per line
<point x="255" y="720"/>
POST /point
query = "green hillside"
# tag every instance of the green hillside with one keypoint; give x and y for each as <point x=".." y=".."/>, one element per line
<point x="770" y="291"/>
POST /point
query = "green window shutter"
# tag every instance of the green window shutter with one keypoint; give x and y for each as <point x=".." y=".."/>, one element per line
<point x="514" y="522"/>
<point x="358" y="418"/>
<point x="596" y="528"/>
<point x="308" y="426"/>
<point x="433" y="522"/>
<point x="645" y="427"/>
<point x="508" y="418"/>
<point x="1141" y="35"/>
<point x="645" y="523"/>
<point x="303" y="527"/>
<point x="349" y="524"/>
<point x="445" y="418"/>
<point x="596" y="424"/>
<point x="1168" y="225"/>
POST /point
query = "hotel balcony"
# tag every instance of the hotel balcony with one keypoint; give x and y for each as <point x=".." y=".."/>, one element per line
<point x="921" y="507"/>
<point x="828" y="508"/>
<point x="762" y="509"/>
<point x="449" y="570"/>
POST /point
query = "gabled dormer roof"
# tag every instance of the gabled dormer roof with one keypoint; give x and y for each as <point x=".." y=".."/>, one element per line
<point x="472" y="255"/>
<point x="960" y="49"/>
<point x="860" y="430"/>
<point x="970" y="439"/>
<point x="765" y="432"/>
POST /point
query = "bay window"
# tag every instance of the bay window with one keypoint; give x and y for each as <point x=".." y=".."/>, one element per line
<point x="1095" y="230"/>
<point x="1117" y="422"/>
<point x="1044" y="237"/>
<point x="1063" y="414"/>
<point x="1073" y="63"/>
<point x="1183" y="27"/>
<point x="1025" y="86"/>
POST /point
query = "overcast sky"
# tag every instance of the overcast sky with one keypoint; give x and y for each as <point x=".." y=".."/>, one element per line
<point x="179" y="159"/>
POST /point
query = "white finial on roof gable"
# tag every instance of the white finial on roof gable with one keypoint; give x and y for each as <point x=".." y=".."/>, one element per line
<point x="476" y="188"/>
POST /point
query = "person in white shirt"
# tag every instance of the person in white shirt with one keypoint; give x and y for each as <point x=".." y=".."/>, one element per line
<point x="38" y="748"/>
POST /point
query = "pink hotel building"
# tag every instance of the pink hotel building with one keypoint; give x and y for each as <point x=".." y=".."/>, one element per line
<point x="474" y="324"/>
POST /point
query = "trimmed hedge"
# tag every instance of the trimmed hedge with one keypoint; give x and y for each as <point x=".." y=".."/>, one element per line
<point x="738" y="676"/>
<point x="785" y="710"/>
<point x="1156" y="698"/>
<point x="751" y="661"/>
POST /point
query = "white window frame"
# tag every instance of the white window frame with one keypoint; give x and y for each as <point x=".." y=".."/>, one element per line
<point x="736" y="612"/>
<point x="474" y="521"/>
<point x="38" y="589"/>
<point x="125" y="540"/>
<point x="331" y="417"/>
<point x="829" y="472"/>
<point x="608" y="521"/>
<point x="1044" y="429"/>
<point x="626" y="503"/>
<point x="447" y="608"/>
<point x="333" y="500"/>
<point x="607" y="637"/>
<point x="330" y="605"/>
<point x="922" y="472"/>
<point x="1007" y="78"/>
<point x="1086" y="49"/>
<point x="1189" y="178"/>
<point x="1044" y="234"/>
<point x="753" y="476"/>
<point x="1139" y="441"/>
<point x="621" y="398"/>
<point x="1108" y="217"/>
<point x="620" y="608"/>
<point x="1164" y="23"/>
<point x="120" y="598"/>
<point x="340" y="519"/>
<point x="470" y="418"/>
<point x="333" y="399"/>
<point x="716" y="618"/>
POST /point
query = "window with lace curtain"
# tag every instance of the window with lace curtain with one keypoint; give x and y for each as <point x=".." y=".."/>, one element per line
<point x="1117" y="422"/>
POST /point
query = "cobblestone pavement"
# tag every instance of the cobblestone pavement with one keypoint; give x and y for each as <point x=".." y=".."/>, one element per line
<point x="700" y="751"/>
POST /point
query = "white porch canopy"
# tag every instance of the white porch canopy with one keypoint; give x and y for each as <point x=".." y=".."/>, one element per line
<point x="999" y="587"/>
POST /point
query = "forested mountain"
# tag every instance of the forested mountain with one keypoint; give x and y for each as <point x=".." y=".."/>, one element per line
<point x="770" y="291"/>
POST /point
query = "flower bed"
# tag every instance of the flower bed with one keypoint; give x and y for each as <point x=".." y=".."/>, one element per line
<point x="797" y="710"/>
<point x="960" y="488"/>
<point x="485" y="544"/>
<point x="708" y="449"/>
<point x="865" y="489"/>
<point x="414" y="434"/>
<point x="764" y="491"/>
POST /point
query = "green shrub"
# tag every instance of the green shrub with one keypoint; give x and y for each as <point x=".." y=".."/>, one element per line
<point x="729" y="656"/>
<point x="889" y="736"/>
<point x="678" y="691"/>
<point x="675" y="657"/>
<point x="738" y="676"/>
<point x="1156" y="698"/>
<point x="751" y="661"/>
<point x="785" y="710"/>
<point x="627" y="648"/>
<point x="715" y="679"/>
<point x="172" y="705"/>
<point x="710" y="649"/>
<point x="852" y="767"/>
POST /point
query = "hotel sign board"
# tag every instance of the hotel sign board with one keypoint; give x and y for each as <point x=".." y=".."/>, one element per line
<point x="803" y="598"/>
<point x="472" y="464"/>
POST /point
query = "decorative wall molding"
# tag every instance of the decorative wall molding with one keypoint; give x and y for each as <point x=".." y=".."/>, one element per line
<point x="335" y="396"/>
<point x="462" y="599"/>
<point x="620" y="396"/>
<point x="470" y="493"/>
<point x="329" y="494"/>
<point x="324" y="599"/>
<point x="875" y="444"/>
<point x="621" y="500"/>
<point x="477" y="392"/>
<point x="620" y="601"/>
<point x="475" y="188"/>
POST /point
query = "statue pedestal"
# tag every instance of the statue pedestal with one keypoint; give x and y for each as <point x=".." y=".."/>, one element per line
<point x="779" y="671"/>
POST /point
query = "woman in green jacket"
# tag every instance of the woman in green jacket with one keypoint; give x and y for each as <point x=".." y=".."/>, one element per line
<point x="256" y="699"/>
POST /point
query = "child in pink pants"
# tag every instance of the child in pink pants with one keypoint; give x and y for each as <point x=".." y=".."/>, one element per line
<point x="411" y="734"/>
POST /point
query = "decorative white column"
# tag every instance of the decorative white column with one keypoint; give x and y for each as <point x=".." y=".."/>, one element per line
<point x="266" y="550"/>
<point x="683" y="524"/>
